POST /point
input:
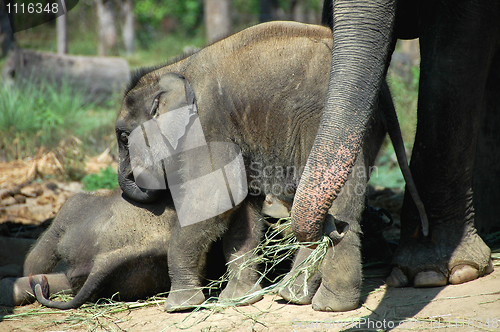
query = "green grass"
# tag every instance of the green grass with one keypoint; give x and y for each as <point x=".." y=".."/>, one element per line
<point x="36" y="115"/>
<point x="105" y="179"/>
<point x="39" y="116"/>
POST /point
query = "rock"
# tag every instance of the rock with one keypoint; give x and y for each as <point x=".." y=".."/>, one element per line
<point x="20" y="199"/>
<point x="32" y="190"/>
<point x="74" y="187"/>
<point x="52" y="186"/>
<point x="8" y="201"/>
<point x="46" y="199"/>
<point x="5" y="193"/>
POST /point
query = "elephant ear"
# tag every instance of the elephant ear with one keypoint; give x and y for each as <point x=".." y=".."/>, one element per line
<point x="335" y="228"/>
<point x="176" y="105"/>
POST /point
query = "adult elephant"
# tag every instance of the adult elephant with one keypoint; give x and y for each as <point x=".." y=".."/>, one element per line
<point x="459" y="84"/>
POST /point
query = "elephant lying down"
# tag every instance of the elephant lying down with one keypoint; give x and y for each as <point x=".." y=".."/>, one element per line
<point x="262" y="89"/>
<point x="103" y="244"/>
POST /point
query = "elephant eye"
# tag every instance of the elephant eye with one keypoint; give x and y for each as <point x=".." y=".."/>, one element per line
<point x="154" y="107"/>
<point x="124" y="137"/>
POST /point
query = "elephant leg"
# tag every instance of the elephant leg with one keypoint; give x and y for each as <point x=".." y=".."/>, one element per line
<point x="486" y="178"/>
<point x="17" y="291"/>
<point x="457" y="54"/>
<point x="339" y="276"/>
<point x="341" y="270"/>
<point x="187" y="253"/>
<point x="44" y="257"/>
<point x="243" y="236"/>
<point x="295" y="291"/>
<point x="337" y="284"/>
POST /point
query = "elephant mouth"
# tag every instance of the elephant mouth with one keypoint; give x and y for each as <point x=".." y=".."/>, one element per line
<point x="132" y="190"/>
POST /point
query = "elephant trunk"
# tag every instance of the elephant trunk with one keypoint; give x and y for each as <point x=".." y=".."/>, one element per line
<point x="362" y="32"/>
<point x="131" y="189"/>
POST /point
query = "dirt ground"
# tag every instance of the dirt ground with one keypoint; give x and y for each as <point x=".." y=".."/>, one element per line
<point x="24" y="204"/>
<point x="474" y="306"/>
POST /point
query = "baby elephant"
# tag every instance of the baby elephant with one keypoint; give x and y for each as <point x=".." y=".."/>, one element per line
<point x="101" y="244"/>
<point x="263" y="90"/>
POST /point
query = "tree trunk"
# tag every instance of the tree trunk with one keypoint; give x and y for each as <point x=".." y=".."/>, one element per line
<point x="62" y="31"/>
<point x="267" y="10"/>
<point x="6" y="34"/>
<point x="217" y="15"/>
<point x="298" y="12"/>
<point x="128" y="26"/>
<point x="106" y="26"/>
<point x="99" y="77"/>
<point x="313" y="16"/>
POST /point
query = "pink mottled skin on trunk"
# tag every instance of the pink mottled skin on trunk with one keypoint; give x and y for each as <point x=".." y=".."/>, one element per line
<point x="326" y="178"/>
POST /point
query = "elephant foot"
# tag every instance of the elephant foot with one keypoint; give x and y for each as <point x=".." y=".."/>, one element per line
<point x="296" y="293"/>
<point x="335" y="300"/>
<point x="300" y="290"/>
<point x="179" y="300"/>
<point x="337" y="284"/>
<point x="341" y="277"/>
<point x="443" y="257"/>
<point x="241" y="292"/>
<point x="14" y="292"/>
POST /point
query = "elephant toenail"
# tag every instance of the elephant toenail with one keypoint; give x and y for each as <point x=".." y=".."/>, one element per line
<point x="463" y="273"/>
<point x="489" y="268"/>
<point x="397" y="278"/>
<point x="429" y="279"/>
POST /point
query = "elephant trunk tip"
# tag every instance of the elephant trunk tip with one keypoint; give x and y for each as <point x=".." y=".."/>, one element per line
<point x="306" y="230"/>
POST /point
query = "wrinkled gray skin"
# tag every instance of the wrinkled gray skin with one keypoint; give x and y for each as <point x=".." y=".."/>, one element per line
<point x="99" y="245"/>
<point x="106" y="245"/>
<point x="264" y="90"/>
<point x="456" y="155"/>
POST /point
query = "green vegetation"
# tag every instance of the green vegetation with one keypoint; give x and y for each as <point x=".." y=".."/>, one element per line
<point x="36" y="115"/>
<point x="387" y="174"/>
<point x="188" y="13"/>
<point x="106" y="178"/>
<point x="163" y="29"/>
<point x="405" y="95"/>
<point x="153" y="43"/>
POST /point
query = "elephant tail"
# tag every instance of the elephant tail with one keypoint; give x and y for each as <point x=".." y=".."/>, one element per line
<point x="40" y="287"/>
<point x="392" y="124"/>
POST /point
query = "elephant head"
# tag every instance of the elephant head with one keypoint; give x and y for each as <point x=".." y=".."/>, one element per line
<point x="362" y="32"/>
<point x="148" y="97"/>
